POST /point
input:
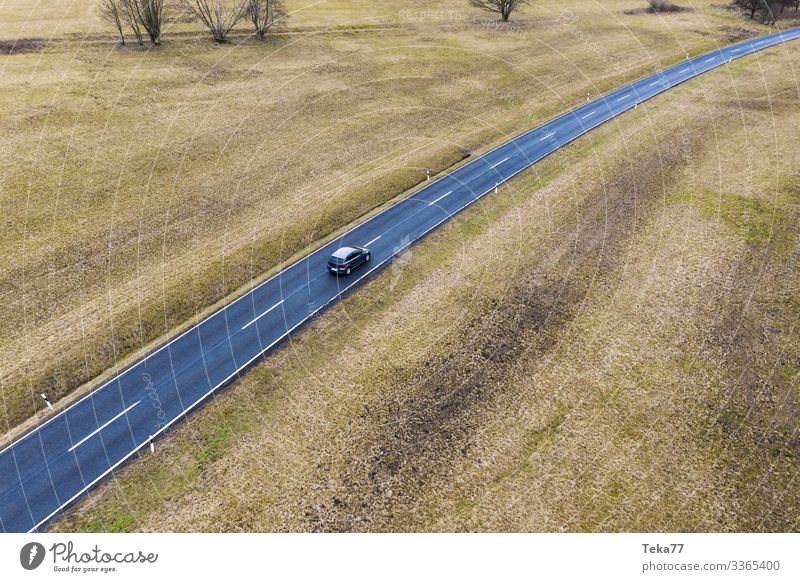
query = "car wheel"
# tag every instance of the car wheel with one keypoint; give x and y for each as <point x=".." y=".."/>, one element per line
<point x="368" y="257"/>
<point x="347" y="272"/>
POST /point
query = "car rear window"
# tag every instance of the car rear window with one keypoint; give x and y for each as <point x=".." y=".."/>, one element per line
<point x="336" y="260"/>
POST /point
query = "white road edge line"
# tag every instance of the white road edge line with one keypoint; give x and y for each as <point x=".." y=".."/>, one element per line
<point x="90" y="435"/>
<point x="501" y="162"/>
<point x="548" y="136"/>
<point x="373" y="240"/>
<point x="245" y="326"/>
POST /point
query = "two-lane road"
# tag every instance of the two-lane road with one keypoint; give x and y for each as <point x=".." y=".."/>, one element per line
<point x="53" y="465"/>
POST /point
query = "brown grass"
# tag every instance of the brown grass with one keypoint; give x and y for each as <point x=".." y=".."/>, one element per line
<point x="633" y="366"/>
<point x="140" y="188"/>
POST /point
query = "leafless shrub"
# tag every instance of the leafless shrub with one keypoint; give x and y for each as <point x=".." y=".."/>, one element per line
<point x="218" y="16"/>
<point x="111" y="12"/>
<point x="776" y="9"/>
<point x="150" y="15"/>
<point x="129" y="14"/>
<point x="664" y="6"/>
<point x="502" y="7"/>
<point x="659" y="7"/>
<point x="263" y="14"/>
<point x="137" y="15"/>
<point x="750" y="6"/>
<point x="768" y="11"/>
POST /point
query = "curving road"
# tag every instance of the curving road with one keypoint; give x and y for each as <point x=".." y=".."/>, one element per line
<point x="54" y="464"/>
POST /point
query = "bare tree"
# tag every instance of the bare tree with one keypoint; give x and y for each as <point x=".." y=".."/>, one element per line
<point x="218" y="16"/>
<point x="150" y="15"/>
<point x="263" y="14"/>
<point x="752" y="6"/>
<point x="779" y="7"/>
<point x="111" y="12"/>
<point x="502" y="7"/>
<point x="658" y="5"/>
<point x="768" y="10"/>
<point x="129" y="13"/>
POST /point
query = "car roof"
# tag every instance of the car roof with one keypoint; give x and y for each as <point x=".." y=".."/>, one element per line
<point x="342" y="252"/>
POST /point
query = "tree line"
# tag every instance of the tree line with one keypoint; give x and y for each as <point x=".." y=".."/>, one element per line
<point x="140" y="17"/>
<point x="767" y="11"/>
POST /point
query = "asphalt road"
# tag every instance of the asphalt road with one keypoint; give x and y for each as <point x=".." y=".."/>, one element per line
<point x="53" y="465"/>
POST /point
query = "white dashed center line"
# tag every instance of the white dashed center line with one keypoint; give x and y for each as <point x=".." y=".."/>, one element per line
<point x="373" y="240"/>
<point x="248" y="324"/>
<point x="500" y="162"/>
<point x="440" y="197"/>
<point x="90" y="435"/>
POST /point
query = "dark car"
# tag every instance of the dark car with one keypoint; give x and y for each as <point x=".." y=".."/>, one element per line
<point x="346" y="259"/>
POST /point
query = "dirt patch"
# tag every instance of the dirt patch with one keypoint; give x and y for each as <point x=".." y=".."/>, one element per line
<point x="736" y="33"/>
<point x="21" y="45"/>
<point x="758" y="407"/>
<point x="424" y="435"/>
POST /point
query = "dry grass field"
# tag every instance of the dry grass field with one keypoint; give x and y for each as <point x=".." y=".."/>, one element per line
<point x="632" y="366"/>
<point x="140" y="188"/>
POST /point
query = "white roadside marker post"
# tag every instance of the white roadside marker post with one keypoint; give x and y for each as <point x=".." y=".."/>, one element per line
<point x="152" y="446"/>
<point x="496" y="186"/>
<point x="46" y="401"/>
<point x="428" y="174"/>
